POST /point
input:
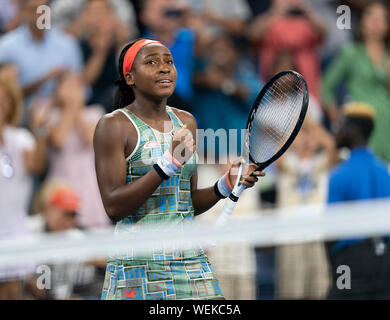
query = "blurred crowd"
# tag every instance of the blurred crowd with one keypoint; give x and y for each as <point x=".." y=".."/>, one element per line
<point x="56" y="83"/>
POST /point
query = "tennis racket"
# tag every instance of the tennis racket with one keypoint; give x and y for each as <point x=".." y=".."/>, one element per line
<point x="274" y="121"/>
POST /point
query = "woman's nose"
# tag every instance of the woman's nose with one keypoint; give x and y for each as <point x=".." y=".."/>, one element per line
<point x="165" y="68"/>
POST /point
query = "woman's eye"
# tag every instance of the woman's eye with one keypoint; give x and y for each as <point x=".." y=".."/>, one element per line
<point x="170" y="62"/>
<point x="151" y="62"/>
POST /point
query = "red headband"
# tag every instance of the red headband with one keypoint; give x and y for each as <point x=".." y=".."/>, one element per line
<point x="132" y="52"/>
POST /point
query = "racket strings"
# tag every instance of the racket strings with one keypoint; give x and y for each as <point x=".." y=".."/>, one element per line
<point x="276" y="117"/>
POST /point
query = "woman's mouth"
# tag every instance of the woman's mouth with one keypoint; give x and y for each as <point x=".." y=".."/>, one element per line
<point x="165" y="82"/>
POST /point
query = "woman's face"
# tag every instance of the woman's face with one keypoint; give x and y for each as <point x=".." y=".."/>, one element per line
<point x="305" y="141"/>
<point x="153" y="73"/>
<point x="374" y="24"/>
<point x="5" y="104"/>
<point x="223" y="54"/>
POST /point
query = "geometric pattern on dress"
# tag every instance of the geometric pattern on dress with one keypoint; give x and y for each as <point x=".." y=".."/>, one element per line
<point x="170" y="203"/>
<point x="192" y="278"/>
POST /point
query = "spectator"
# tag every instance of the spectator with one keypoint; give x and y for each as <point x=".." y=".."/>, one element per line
<point x="226" y="82"/>
<point x="290" y="26"/>
<point x="361" y="177"/>
<point x="68" y="15"/>
<point x="164" y="20"/>
<point x="364" y="66"/>
<point x="336" y="37"/>
<point x="302" y="268"/>
<point x="60" y="205"/>
<point x="285" y="61"/>
<point x="71" y="128"/>
<point x="223" y="15"/>
<point x="101" y="37"/>
<point x="21" y="155"/>
<point x="10" y="15"/>
<point x="40" y="55"/>
<point x="9" y="73"/>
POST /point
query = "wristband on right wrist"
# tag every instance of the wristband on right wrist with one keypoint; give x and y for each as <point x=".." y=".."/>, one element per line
<point x="167" y="166"/>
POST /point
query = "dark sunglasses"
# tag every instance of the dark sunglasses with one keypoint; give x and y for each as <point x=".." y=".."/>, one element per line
<point x="70" y="214"/>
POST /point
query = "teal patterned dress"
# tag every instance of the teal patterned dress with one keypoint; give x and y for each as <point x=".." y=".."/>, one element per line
<point x="171" y="273"/>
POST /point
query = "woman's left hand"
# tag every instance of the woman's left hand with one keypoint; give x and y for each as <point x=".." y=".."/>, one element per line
<point x="247" y="178"/>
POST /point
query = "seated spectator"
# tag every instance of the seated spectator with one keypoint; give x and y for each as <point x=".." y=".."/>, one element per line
<point x="361" y="177"/>
<point x="60" y="205"/>
<point x="225" y="85"/>
<point x="71" y="129"/>
<point x="22" y="154"/>
<point x="364" y="67"/>
<point x="40" y="55"/>
<point x="290" y="26"/>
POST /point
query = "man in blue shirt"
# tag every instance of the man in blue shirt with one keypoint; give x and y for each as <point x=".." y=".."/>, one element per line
<point x="361" y="177"/>
<point x="40" y="55"/>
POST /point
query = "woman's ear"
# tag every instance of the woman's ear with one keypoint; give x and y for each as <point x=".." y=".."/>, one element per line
<point x="129" y="79"/>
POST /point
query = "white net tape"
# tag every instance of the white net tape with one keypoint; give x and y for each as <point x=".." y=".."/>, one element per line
<point x="284" y="226"/>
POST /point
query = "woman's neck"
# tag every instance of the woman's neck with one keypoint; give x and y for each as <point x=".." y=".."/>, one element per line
<point x="375" y="49"/>
<point x="374" y="43"/>
<point x="149" y="107"/>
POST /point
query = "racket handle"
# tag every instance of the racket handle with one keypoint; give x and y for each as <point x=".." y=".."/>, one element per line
<point x="229" y="205"/>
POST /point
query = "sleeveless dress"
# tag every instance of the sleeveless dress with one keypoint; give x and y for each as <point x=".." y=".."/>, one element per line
<point x="171" y="273"/>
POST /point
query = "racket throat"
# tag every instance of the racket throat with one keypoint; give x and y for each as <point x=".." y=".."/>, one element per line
<point x="233" y="197"/>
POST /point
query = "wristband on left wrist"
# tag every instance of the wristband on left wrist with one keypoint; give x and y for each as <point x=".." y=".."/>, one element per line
<point x="222" y="188"/>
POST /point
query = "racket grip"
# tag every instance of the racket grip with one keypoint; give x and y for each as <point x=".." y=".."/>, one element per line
<point x="229" y="206"/>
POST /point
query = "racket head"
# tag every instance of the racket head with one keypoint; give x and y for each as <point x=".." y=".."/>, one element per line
<point x="298" y="108"/>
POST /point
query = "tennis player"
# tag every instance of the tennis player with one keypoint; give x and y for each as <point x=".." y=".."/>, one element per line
<point x="145" y="154"/>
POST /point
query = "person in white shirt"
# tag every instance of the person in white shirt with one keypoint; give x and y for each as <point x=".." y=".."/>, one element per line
<point x="22" y="154"/>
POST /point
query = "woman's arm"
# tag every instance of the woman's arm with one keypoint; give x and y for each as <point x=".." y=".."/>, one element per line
<point x="35" y="160"/>
<point x="119" y="199"/>
<point x="332" y="77"/>
<point x="59" y="131"/>
<point x="87" y="129"/>
<point x="202" y="199"/>
<point x="206" y="198"/>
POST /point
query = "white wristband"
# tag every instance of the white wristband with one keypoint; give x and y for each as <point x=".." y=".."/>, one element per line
<point x="164" y="166"/>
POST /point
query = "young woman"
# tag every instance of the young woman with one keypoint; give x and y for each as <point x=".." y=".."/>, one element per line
<point x="146" y="169"/>
<point x="22" y="155"/>
<point x="364" y="67"/>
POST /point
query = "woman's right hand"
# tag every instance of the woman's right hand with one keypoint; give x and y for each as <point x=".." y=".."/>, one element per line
<point x="183" y="144"/>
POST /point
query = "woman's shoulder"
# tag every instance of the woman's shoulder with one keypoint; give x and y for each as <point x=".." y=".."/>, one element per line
<point x="184" y="116"/>
<point x="112" y="119"/>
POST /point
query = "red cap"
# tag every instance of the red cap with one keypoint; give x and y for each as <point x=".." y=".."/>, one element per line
<point x="65" y="198"/>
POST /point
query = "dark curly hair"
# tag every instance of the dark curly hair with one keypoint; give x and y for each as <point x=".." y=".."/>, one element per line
<point x="124" y="95"/>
